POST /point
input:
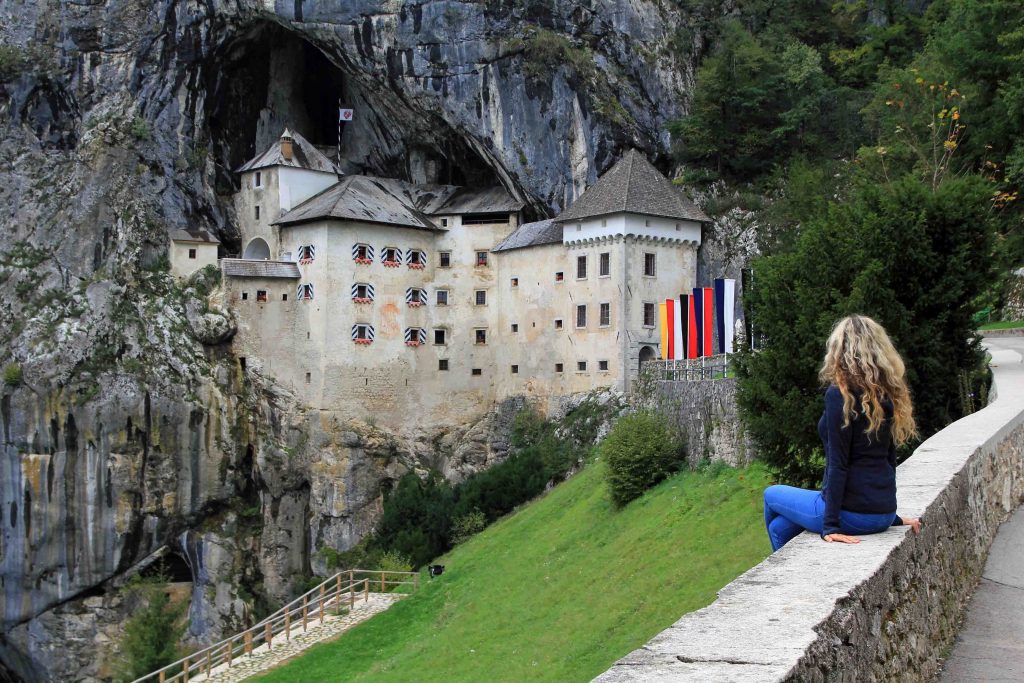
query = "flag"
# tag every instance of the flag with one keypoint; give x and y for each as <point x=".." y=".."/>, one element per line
<point x="725" y="305"/>
<point x="670" y="314"/>
<point x="663" y="320"/>
<point x="344" y="115"/>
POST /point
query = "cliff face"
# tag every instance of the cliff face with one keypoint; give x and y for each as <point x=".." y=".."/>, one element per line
<point x="127" y="429"/>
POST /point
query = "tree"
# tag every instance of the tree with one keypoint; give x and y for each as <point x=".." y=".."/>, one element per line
<point x="416" y="520"/>
<point x="151" y="636"/>
<point x="909" y="255"/>
<point x="640" y="451"/>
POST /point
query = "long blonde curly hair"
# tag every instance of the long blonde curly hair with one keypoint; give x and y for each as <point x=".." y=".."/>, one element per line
<point x="860" y="356"/>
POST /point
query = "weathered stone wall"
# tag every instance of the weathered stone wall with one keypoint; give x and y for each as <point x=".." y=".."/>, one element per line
<point x="705" y="411"/>
<point x="885" y="609"/>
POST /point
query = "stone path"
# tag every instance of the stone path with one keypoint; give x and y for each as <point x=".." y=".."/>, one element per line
<point x="262" y="659"/>
<point x="990" y="646"/>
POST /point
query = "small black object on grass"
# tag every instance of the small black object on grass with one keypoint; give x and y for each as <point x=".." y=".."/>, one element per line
<point x="435" y="570"/>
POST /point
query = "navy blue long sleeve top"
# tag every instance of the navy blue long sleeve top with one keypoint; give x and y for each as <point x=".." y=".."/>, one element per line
<point x="860" y="468"/>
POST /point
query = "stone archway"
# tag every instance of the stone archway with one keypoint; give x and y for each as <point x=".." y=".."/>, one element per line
<point x="646" y="353"/>
<point x="257" y="250"/>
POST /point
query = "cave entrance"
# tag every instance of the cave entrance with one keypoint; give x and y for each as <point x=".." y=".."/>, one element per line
<point x="172" y="566"/>
<point x="269" y="77"/>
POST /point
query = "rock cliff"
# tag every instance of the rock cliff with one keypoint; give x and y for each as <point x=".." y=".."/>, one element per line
<point x="128" y="430"/>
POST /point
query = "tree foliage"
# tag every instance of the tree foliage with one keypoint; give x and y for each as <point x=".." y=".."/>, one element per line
<point x="640" y="451"/>
<point x="151" y="636"/>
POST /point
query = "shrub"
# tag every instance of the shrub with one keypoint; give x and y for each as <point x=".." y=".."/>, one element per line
<point x="140" y="129"/>
<point x="467" y="526"/>
<point x="416" y="520"/>
<point x="151" y="636"/>
<point x="12" y="374"/>
<point x="640" y="451"/>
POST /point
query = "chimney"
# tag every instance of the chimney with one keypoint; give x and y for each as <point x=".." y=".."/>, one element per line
<point x="286" y="145"/>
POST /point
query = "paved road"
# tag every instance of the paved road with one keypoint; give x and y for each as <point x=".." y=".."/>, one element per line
<point x="990" y="647"/>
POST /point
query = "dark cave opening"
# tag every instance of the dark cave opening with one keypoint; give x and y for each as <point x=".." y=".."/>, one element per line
<point x="171" y="567"/>
<point x="270" y="77"/>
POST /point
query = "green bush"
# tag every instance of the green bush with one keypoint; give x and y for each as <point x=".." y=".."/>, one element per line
<point x="12" y="375"/>
<point x="151" y="636"/>
<point x="467" y="526"/>
<point x="641" y="450"/>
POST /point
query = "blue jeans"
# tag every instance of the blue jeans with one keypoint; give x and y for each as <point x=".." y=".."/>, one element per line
<point x="789" y="510"/>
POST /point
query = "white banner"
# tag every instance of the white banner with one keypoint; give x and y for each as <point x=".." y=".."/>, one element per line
<point x="344" y="115"/>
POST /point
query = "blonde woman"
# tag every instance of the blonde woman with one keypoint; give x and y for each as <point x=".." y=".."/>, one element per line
<point x="867" y="414"/>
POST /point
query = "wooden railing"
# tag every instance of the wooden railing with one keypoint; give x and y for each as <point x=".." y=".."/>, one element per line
<point x="338" y="593"/>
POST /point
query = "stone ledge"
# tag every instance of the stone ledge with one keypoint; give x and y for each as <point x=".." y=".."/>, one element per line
<point x="885" y="609"/>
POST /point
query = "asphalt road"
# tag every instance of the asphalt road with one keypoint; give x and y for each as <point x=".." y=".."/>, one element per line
<point x="990" y="646"/>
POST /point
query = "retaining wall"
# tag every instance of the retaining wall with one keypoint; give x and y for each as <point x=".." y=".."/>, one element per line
<point x="885" y="609"/>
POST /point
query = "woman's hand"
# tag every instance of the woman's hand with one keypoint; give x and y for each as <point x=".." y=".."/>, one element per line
<point x="914" y="523"/>
<point x="841" y="538"/>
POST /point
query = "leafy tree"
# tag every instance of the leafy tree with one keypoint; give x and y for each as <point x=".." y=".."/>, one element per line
<point x="640" y="451"/>
<point x="416" y="520"/>
<point x="909" y="255"/>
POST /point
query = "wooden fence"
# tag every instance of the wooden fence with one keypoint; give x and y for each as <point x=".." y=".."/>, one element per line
<point x="337" y="594"/>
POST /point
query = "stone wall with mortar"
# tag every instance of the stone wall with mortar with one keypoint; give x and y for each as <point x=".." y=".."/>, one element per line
<point x="885" y="609"/>
<point x="705" y="411"/>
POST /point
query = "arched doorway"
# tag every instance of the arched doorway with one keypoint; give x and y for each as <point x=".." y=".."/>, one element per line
<point x="257" y="250"/>
<point x="646" y="354"/>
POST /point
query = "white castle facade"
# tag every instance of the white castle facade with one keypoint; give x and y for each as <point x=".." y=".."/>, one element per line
<point x="426" y="304"/>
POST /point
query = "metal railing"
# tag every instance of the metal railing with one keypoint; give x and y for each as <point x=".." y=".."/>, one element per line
<point x="691" y="370"/>
<point x="338" y="593"/>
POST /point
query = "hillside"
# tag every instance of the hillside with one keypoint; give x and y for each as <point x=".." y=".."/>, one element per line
<point x="561" y="589"/>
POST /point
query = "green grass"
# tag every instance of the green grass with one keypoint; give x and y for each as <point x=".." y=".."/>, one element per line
<point x="1002" y="325"/>
<point x="561" y="589"/>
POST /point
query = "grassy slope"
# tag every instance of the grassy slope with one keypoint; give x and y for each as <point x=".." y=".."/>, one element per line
<point x="1004" y="325"/>
<point x="561" y="589"/>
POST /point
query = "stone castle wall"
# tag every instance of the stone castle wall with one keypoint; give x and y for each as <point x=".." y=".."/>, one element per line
<point x="885" y="609"/>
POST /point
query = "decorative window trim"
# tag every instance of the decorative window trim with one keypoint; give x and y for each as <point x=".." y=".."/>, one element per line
<point x="362" y="260"/>
<point x="415" y="297"/>
<point x="370" y="293"/>
<point x="304" y="292"/>
<point x="307" y="254"/>
<point x="415" y="336"/>
<point x="395" y="261"/>
<point x="366" y="336"/>
<point x="419" y="256"/>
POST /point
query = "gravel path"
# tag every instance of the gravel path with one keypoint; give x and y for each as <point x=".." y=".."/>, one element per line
<point x="262" y="659"/>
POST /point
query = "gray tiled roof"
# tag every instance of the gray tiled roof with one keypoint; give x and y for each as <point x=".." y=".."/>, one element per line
<point x="531" y="235"/>
<point x="360" y="198"/>
<point x="236" y="267"/>
<point x="632" y="185"/>
<point x="194" y="235"/>
<point x="304" y="155"/>
<point x="451" y="200"/>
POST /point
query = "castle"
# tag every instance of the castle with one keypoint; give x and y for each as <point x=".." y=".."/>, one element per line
<point x="426" y="304"/>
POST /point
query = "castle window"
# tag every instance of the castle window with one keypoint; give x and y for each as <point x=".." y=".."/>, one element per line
<point x="515" y="282"/>
<point x="257" y="212"/>
<point x="476" y="372"/>
<point x="481" y="297"/>
<point x="192" y="253"/>
<point x="558" y="323"/>
<point x="581" y="267"/>
<point x="416" y="259"/>
<point x="362" y="254"/>
<point x="442" y="297"/>
<point x="581" y="315"/>
<point x="559" y="276"/>
<point x="444" y="222"/>
<point x="649" y="315"/>
<point x="442" y="364"/>
<point x="245" y="296"/>
<point x="481" y="336"/>
<point x="678" y="227"/>
<point x="362" y="333"/>
<point x="515" y="327"/>
<point x="241" y="362"/>
<point x="307" y="252"/>
<point x="581" y="366"/>
<point x="649" y="265"/>
<point x="444" y="259"/>
<point x="309" y="377"/>
<point x="415" y="336"/>
<point x="602" y="365"/>
<point x="362" y="293"/>
<point x="647" y="222"/>
<point x="261" y="296"/>
<point x="440" y="337"/>
<point x="515" y="369"/>
<point x="415" y="297"/>
<point x="558" y="367"/>
<point x="604" y="222"/>
<point x="604" y="268"/>
<point x="481" y="258"/>
<point x="391" y="257"/>
<point x="304" y="292"/>
<point x="284" y="297"/>
<point x="605" y="315"/>
<point x="484" y="218"/>
<point x="259" y="179"/>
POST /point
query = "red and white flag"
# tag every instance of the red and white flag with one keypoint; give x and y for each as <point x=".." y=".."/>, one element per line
<point x="344" y="115"/>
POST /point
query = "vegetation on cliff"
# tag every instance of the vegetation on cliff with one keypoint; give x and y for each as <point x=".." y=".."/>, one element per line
<point x="562" y="588"/>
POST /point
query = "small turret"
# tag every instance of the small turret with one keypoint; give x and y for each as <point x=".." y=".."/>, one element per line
<point x="286" y="145"/>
